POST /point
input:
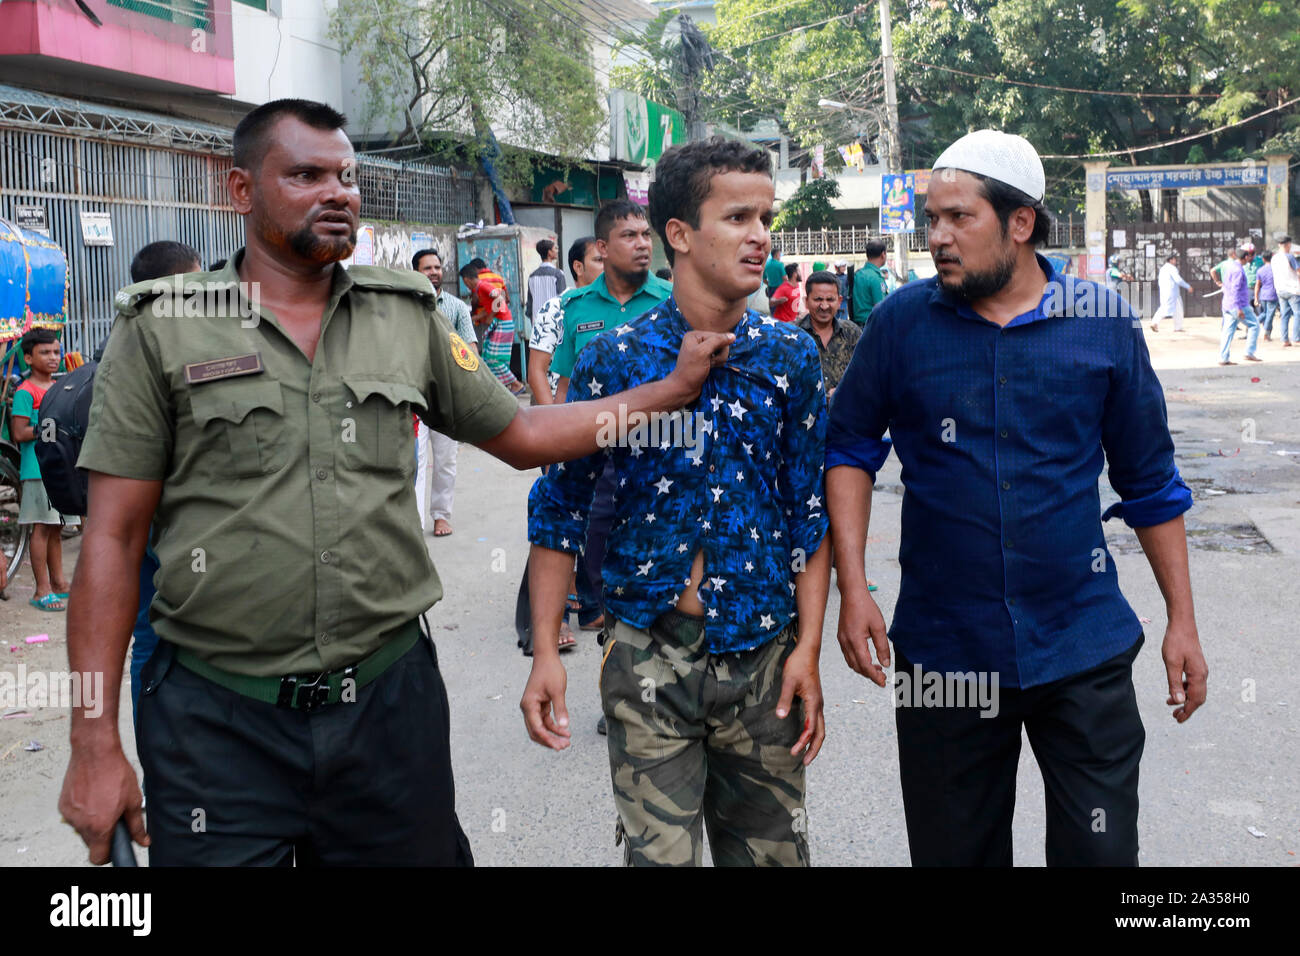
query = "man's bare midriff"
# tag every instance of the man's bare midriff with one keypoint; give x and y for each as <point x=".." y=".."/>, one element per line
<point x="688" y="601"/>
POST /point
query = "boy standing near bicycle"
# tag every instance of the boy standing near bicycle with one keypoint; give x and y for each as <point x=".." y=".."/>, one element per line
<point x="41" y="353"/>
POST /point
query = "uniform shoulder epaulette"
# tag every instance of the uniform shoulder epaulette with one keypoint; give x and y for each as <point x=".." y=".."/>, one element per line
<point x="574" y="292"/>
<point x="132" y="300"/>
<point x="407" y="281"/>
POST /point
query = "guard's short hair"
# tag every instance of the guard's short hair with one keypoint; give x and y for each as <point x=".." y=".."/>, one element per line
<point x="544" y="247"/>
<point x="578" y="252"/>
<point x="791" y="270"/>
<point x="684" y="176"/>
<point x="1007" y="199"/>
<point x="415" y="259"/>
<point x="163" y="258"/>
<point x="875" y="248"/>
<point x="821" y="278"/>
<point x="36" y="337"/>
<point x="252" y="135"/>
<point x="616" y="210"/>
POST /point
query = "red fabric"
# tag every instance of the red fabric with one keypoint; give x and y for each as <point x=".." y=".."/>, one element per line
<point x="35" y="391"/>
<point x="786" y="312"/>
<point x="497" y="308"/>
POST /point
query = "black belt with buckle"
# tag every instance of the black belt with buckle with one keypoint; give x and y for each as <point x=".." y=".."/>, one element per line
<point x="308" y="692"/>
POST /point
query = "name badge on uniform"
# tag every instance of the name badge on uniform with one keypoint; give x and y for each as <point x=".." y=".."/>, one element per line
<point x="591" y="326"/>
<point x="197" y="373"/>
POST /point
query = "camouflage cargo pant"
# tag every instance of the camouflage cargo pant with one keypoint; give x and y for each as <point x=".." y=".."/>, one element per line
<point x="694" y="739"/>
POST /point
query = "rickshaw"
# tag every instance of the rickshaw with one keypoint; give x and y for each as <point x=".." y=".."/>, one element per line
<point x="33" y="293"/>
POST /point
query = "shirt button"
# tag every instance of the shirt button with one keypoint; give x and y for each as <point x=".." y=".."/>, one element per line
<point x="622" y="308"/>
<point x="315" y="396"/>
<point x="324" y="637"/>
<point x="1011" y="601"/>
<point x="1006" y="485"/>
<point x="710" y="467"/>
<point x="1004" y="433"/>
<point x="1002" y="380"/>
<point x="325" y="557"/>
<point x="322" y="474"/>
<point x="1010" y="545"/>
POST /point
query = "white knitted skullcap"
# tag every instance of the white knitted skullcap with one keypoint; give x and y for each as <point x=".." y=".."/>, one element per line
<point x="1002" y="156"/>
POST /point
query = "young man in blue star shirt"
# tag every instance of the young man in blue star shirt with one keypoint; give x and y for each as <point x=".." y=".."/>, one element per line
<point x="1004" y="387"/>
<point x="715" y="573"/>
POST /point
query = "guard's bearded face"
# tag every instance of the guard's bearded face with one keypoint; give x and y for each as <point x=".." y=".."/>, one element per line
<point x="310" y="202"/>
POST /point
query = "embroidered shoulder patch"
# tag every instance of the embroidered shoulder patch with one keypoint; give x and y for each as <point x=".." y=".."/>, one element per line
<point x="463" y="354"/>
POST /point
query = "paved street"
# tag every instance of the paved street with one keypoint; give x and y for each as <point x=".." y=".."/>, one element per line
<point x="1234" y="766"/>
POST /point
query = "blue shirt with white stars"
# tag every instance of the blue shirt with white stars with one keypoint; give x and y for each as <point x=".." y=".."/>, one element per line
<point x="737" y="474"/>
<point x="1002" y="434"/>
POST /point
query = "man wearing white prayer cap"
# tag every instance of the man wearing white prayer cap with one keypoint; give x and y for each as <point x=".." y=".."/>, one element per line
<point x="1005" y="388"/>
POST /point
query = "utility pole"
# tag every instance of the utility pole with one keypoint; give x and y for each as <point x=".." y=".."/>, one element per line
<point x="695" y="58"/>
<point x="895" y="152"/>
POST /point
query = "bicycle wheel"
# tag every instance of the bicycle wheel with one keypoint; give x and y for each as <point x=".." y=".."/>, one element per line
<point x="13" y="536"/>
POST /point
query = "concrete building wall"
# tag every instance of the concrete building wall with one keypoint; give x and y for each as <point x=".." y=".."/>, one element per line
<point x="285" y="51"/>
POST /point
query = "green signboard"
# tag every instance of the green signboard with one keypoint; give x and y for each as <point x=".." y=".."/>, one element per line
<point x="641" y="130"/>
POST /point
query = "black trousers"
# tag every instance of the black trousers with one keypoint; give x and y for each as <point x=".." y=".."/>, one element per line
<point x="232" y="781"/>
<point x="958" y="770"/>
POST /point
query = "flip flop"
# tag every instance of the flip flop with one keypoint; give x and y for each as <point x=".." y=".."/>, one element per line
<point x="567" y="641"/>
<point x="43" y="604"/>
<point x="572" y="603"/>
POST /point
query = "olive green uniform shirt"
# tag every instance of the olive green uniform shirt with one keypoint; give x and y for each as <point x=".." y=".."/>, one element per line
<point x="593" y="309"/>
<point x="287" y="529"/>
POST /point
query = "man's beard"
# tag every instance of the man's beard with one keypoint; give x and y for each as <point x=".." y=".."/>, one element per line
<point x="314" y="248"/>
<point x="974" y="286"/>
<point x="636" y="277"/>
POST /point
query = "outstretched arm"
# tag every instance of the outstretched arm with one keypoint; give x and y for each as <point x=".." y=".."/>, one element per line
<point x="544" y="434"/>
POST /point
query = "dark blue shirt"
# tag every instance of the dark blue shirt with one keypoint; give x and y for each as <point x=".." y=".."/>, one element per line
<point x="738" y="474"/>
<point x="1001" y="434"/>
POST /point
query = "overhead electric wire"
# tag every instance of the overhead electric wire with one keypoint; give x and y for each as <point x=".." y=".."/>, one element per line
<point x="1184" y="139"/>
<point x="1063" y="89"/>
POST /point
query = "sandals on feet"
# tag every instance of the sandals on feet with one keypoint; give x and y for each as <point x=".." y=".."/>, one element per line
<point x="567" y="641"/>
<point x="48" y="603"/>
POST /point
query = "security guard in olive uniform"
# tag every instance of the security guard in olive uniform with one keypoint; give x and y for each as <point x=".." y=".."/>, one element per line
<point x="260" y="416"/>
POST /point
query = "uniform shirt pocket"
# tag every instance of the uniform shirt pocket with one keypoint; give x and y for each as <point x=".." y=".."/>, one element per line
<point x="243" y="423"/>
<point x="383" y="433"/>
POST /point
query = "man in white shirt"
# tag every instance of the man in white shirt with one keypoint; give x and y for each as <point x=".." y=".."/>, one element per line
<point x="435" y="453"/>
<point x="1171" y="303"/>
<point x="1287" y="283"/>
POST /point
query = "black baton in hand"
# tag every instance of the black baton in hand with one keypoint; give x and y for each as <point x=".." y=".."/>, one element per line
<point x="122" y="853"/>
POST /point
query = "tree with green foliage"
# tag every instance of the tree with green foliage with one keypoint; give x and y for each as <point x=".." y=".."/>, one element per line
<point x="809" y="207"/>
<point x="442" y="73"/>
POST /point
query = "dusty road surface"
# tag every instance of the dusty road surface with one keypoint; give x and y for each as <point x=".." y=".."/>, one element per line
<point x="1223" y="789"/>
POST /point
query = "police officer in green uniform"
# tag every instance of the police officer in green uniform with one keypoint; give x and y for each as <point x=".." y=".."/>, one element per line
<point x="262" y="417"/>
